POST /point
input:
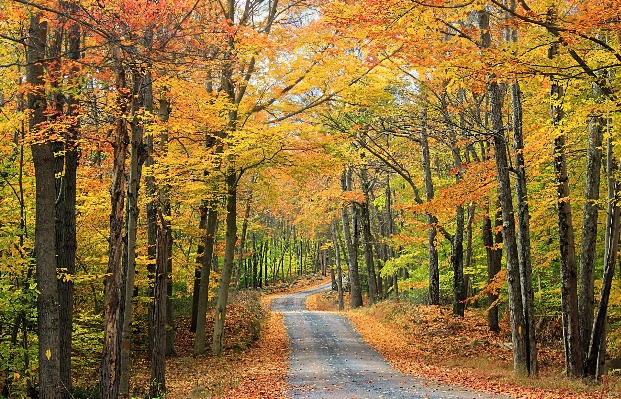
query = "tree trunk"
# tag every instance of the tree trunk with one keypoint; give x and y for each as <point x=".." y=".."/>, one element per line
<point x="351" y="243"/>
<point x="516" y="306"/>
<point x="523" y="230"/>
<point x="569" y="288"/>
<point x="367" y="236"/>
<point x="203" y="297"/>
<point x="520" y="357"/>
<point x="494" y="259"/>
<point x="586" y="302"/>
<point x="170" y="322"/>
<point x="468" y="259"/>
<point x="66" y="157"/>
<point x="260" y="266"/>
<point x="157" y="320"/>
<point x="45" y="235"/>
<point x="136" y="159"/>
<point x="255" y="262"/>
<point x="434" y="272"/>
<point x="457" y="255"/>
<point x="457" y="261"/>
<point x="200" y="255"/>
<point x="598" y="336"/>
<point x="229" y="259"/>
<point x="242" y="242"/>
<point x="339" y="272"/>
<point x="110" y="368"/>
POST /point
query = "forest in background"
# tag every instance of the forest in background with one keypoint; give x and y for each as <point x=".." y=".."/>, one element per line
<point x="444" y="152"/>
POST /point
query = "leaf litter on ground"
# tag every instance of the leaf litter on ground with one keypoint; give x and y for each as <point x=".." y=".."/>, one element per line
<point x="431" y="343"/>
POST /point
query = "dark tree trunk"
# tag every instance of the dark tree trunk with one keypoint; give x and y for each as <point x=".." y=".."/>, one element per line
<point x="170" y="322"/>
<point x="523" y="230"/>
<point x="434" y="272"/>
<point x="203" y="297"/>
<point x="520" y="358"/>
<point x="351" y="243"/>
<point x="260" y="266"/>
<point x="157" y="320"/>
<point x="136" y="160"/>
<point x="66" y="167"/>
<point x="339" y="272"/>
<point x="598" y="337"/>
<point x="242" y="242"/>
<point x="45" y="235"/>
<point x="457" y="262"/>
<point x="516" y="307"/>
<point x="469" y="238"/>
<point x="200" y="252"/>
<point x="66" y="249"/>
<point x="255" y="262"/>
<point x="494" y="259"/>
<point x="569" y="280"/>
<point x="110" y="368"/>
<point x="457" y="256"/>
<point x="367" y="237"/>
<point x="586" y="301"/>
<point x="229" y="259"/>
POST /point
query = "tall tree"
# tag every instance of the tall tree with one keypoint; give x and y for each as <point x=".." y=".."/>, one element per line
<point x="516" y="307"/>
<point x="588" y="249"/>
<point x="367" y="235"/>
<point x="65" y="105"/>
<point x="45" y="235"/>
<point x="569" y="272"/>
<point x="110" y="368"/>
<point x="351" y="242"/>
<point x="434" y="273"/>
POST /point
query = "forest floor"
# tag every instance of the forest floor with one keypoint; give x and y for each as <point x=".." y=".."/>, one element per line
<point x="424" y="341"/>
<point x="429" y="342"/>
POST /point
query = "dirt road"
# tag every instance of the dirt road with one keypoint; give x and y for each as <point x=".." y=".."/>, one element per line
<point x="328" y="359"/>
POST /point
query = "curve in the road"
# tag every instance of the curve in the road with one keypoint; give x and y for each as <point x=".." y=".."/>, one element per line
<point x="329" y="359"/>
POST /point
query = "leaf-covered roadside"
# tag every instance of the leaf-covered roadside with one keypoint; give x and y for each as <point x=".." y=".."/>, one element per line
<point x="430" y="342"/>
<point x="254" y="363"/>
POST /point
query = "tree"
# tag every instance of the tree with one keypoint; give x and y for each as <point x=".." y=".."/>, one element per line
<point x="45" y="233"/>
<point x="110" y="369"/>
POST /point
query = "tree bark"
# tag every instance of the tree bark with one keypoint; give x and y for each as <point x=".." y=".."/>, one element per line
<point x="586" y="300"/>
<point x="520" y="358"/>
<point x="494" y="259"/>
<point x="66" y="243"/>
<point x="45" y="235"/>
<point x="598" y="333"/>
<point x="523" y="230"/>
<point x="203" y="297"/>
<point x="136" y="159"/>
<point x="229" y="259"/>
<point x="351" y="243"/>
<point x="434" y="271"/>
<point x="339" y="271"/>
<point x="457" y="255"/>
<point x="521" y="364"/>
<point x="110" y="368"/>
<point x="457" y="262"/>
<point x="242" y="242"/>
<point x="367" y="237"/>
<point x="157" y="320"/>
<point x="200" y="255"/>
<point x="569" y="288"/>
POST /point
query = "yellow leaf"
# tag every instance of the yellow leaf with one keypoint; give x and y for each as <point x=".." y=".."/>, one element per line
<point x="48" y="354"/>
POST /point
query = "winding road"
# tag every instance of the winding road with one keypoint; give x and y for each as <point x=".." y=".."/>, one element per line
<point x="329" y="359"/>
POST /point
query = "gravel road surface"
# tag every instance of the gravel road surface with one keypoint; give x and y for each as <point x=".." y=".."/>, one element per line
<point x="329" y="359"/>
